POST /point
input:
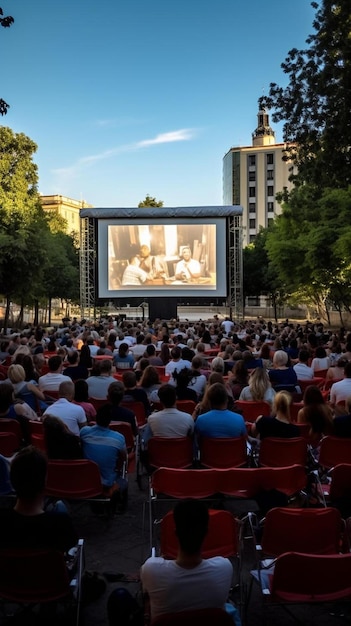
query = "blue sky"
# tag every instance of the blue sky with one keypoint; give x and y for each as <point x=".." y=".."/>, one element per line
<point x="125" y="98"/>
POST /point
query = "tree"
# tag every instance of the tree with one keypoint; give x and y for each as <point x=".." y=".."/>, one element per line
<point x="150" y="202"/>
<point x="260" y="275"/>
<point x="5" y="23"/>
<point x="316" y="104"/>
<point x="22" y="220"/>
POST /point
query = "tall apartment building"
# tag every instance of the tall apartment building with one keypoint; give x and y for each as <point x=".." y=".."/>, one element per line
<point x="252" y="175"/>
<point x="66" y="208"/>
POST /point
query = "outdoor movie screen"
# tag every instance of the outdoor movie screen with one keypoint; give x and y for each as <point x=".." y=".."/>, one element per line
<point x="179" y="257"/>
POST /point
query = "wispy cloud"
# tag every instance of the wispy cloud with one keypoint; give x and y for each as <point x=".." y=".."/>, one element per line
<point x="176" y="135"/>
<point x="184" y="134"/>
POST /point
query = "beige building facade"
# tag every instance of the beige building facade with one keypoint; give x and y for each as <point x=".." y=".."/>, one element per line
<point x="66" y="208"/>
<point x="253" y="175"/>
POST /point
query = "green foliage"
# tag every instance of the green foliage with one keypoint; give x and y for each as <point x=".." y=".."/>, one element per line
<point x="150" y="202"/>
<point x="315" y="106"/>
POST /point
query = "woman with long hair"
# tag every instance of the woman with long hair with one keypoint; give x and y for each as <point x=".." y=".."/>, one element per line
<point x="317" y="413"/>
<point x="279" y="425"/>
<point x="238" y="379"/>
<point x="259" y="387"/>
<point x="150" y="382"/>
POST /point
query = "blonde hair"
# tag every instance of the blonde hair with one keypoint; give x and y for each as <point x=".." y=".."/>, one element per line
<point x="16" y="373"/>
<point x="281" y="404"/>
<point x="258" y="383"/>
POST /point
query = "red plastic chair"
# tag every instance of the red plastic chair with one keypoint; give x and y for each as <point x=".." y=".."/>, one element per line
<point x="97" y="402"/>
<point x="8" y="444"/>
<point x="290" y="480"/>
<point x="294" y="409"/>
<point x="251" y="409"/>
<point x="138" y="410"/>
<point x="184" y="483"/>
<point x="295" y="530"/>
<point x="309" y="578"/>
<point x="321" y="373"/>
<point x="174" y="452"/>
<point x="221" y="539"/>
<point x="333" y="451"/>
<point x="330" y="382"/>
<point x="31" y="577"/>
<point x="77" y="479"/>
<point x="187" y="406"/>
<point x="280" y="452"/>
<point x="222" y="452"/>
<point x="126" y="430"/>
<point x="303" y="384"/>
<point x="11" y="426"/>
<point x="203" y="617"/>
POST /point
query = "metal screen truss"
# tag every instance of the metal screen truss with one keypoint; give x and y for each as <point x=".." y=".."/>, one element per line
<point x="87" y="267"/>
<point x="235" y="266"/>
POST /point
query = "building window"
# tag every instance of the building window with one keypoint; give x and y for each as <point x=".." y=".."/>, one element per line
<point x="270" y="221"/>
<point x="252" y="207"/>
<point x="252" y="192"/>
<point x="270" y="175"/>
<point x="270" y="206"/>
<point x="270" y="190"/>
<point x="252" y="159"/>
<point x="252" y="223"/>
<point x="252" y="238"/>
<point x="252" y="176"/>
<point x="270" y="159"/>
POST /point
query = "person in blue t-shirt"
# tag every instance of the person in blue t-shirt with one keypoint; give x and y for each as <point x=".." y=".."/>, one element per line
<point x="219" y="421"/>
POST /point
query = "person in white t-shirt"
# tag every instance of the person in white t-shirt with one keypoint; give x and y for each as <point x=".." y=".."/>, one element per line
<point x="187" y="583"/>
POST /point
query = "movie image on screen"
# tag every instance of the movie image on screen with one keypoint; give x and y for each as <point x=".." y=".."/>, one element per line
<point x="150" y="258"/>
<point x="156" y="255"/>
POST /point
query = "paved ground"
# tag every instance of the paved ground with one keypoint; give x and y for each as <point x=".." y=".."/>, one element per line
<point x="119" y="546"/>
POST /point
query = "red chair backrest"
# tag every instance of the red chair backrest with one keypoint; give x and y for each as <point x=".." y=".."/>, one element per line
<point x="170" y="452"/>
<point x="333" y="451"/>
<point x="138" y="410"/>
<point x="340" y="486"/>
<point x="8" y="444"/>
<point x="317" y="531"/>
<point x="38" y="440"/>
<point x="288" y="480"/>
<point x="223" y="452"/>
<point x="187" y="406"/>
<point x="33" y="576"/>
<point x="35" y="427"/>
<point x="97" y="402"/>
<point x="11" y="426"/>
<point x="184" y="483"/>
<point x="300" y="577"/>
<point x="294" y="409"/>
<point x="303" y="384"/>
<point x="126" y="430"/>
<point x="221" y="539"/>
<point x="76" y="479"/>
<point x="251" y="409"/>
<point x="280" y="452"/>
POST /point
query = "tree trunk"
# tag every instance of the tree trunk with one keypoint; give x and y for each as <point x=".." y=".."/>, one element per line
<point x="49" y="312"/>
<point x="20" y="314"/>
<point x="7" y="314"/>
<point x="36" y="313"/>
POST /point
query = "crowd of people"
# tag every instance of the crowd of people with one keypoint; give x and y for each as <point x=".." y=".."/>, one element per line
<point x="82" y="376"/>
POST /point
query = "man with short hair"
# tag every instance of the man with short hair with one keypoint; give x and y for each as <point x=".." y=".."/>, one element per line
<point x="187" y="269"/>
<point x="98" y="385"/>
<point x="176" y="364"/>
<point x="64" y="408"/>
<point x="28" y="525"/>
<point x="189" y="582"/>
<point x="341" y="391"/>
<point x="133" y="274"/>
<point x="219" y="421"/>
<point x="107" y="448"/>
<point x="303" y="371"/>
<point x="52" y="380"/>
<point x="169" y="422"/>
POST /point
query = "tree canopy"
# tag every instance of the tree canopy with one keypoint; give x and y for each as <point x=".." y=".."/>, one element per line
<point x="315" y="106"/>
<point x="150" y="202"/>
<point x="35" y="262"/>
